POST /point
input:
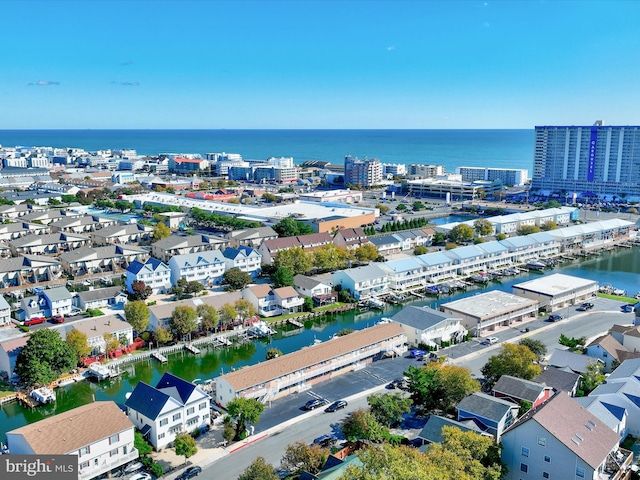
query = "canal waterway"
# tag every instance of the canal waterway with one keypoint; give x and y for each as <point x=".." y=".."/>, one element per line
<point x="619" y="268"/>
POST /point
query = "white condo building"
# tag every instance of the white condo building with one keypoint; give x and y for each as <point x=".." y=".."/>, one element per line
<point x="587" y="160"/>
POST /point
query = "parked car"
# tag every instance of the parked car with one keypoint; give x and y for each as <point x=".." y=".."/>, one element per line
<point x="34" y="321"/>
<point x="417" y="353"/>
<point x="585" y="306"/>
<point x="313" y="404"/>
<point x="74" y="312"/>
<point x="627" y="308"/>
<point x="141" y="476"/>
<point x="335" y="406"/>
<point x="492" y="340"/>
<point x="400" y="383"/>
<point x="326" y="440"/>
<point x="57" y="319"/>
<point x="555" y="317"/>
<point x="191" y="472"/>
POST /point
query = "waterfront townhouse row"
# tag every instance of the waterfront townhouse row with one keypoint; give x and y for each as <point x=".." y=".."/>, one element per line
<point x="420" y="271"/>
<point x="207" y="268"/>
<point x="510" y="224"/>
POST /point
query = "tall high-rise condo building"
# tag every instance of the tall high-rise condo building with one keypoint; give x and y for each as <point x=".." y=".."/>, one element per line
<point x="365" y="173"/>
<point x="598" y="160"/>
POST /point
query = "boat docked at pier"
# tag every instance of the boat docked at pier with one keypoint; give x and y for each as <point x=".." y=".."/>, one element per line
<point x="101" y="372"/>
<point x="43" y="395"/>
<point x="260" y="329"/>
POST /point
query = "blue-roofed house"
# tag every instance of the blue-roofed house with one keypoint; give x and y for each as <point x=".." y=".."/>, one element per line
<point x="424" y="325"/>
<point x="467" y="260"/>
<point x="247" y="259"/>
<point x="172" y="407"/>
<point x="204" y="267"/>
<point x="363" y="282"/>
<point x="622" y="394"/>
<point x="492" y="415"/>
<point x="153" y="273"/>
<point x="440" y="267"/>
<point x="521" y="248"/>
<point x="612" y="416"/>
<point x="496" y="255"/>
<point x="405" y="273"/>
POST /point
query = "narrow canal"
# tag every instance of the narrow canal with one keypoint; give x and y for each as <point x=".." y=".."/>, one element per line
<point x="619" y="268"/>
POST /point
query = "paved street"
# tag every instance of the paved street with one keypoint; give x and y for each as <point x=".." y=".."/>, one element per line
<point x="285" y="421"/>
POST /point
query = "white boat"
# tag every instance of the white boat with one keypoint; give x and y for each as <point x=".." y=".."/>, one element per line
<point x="619" y="291"/>
<point x="536" y="265"/>
<point x="101" y="372"/>
<point x="261" y="329"/>
<point x="43" y="395"/>
<point x="376" y="303"/>
<point x="133" y="467"/>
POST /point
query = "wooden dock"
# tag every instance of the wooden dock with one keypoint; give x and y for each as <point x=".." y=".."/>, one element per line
<point x="295" y="323"/>
<point x="26" y="400"/>
<point x="158" y="356"/>
<point x="190" y="348"/>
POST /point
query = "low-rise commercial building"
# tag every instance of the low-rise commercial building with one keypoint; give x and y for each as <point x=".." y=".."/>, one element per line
<point x="557" y="291"/>
<point x="426" y="326"/>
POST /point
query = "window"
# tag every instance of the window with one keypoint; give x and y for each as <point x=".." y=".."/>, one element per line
<point x="545" y="474"/>
<point x="547" y="458"/>
<point x="524" y="467"/>
<point x="161" y="436"/>
<point x="579" y="472"/>
<point x="191" y="410"/>
<point x="176" y="416"/>
<point x="542" y="441"/>
<point x="525" y="452"/>
<point x="164" y="421"/>
<point x="202" y="406"/>
<point x="84" y="465"/>
<point x="84" y="451"/>
<point x="114" y="439"/>
<point x="113" y="453"/>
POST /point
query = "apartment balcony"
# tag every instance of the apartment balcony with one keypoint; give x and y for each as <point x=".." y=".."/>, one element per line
<point x="617" y="466"/>
<point x="106" y="466"/>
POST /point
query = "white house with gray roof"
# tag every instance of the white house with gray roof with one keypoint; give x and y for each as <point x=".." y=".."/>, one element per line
<point x="111" y="297"/>
<point x="59" y="300"/>
<point x="320" y="292"/>
<point x="97" y="327"/>
<point x="424" y="325"/>
<point x="205" y="267"/>
<point x="363" y="282"/>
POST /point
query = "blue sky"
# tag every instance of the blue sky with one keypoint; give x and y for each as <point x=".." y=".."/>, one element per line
<point x="324" y="64"/>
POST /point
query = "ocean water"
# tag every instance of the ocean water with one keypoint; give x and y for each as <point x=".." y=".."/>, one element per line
<point x="452" y="148"/>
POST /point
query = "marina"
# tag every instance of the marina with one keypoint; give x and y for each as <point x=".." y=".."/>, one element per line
<point x="221" y="354"/>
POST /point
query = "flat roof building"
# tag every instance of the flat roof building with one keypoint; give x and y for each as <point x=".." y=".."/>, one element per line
<point x="483" y="313"/>
<point x="557" y="290"/>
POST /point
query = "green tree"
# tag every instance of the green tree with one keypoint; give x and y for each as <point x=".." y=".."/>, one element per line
<point x="362" y="425"/>
<point x="259" y="470"/>
<point x="111" y="342"/>
<point x="515" y="360"/>
<point x="77" y="341"/>
<point x="329" y="257"/>
<point x="123" y="205"/>
<point x="300" y="457"/>
<point x="244" y="308"/>
<point x="538" y="348"/>
<point x="550" y="225"/>
<point x="592" y="377"/>
<point x="307" y="306"/>
<point x="236" y="279"/>
<point x="388" y="408"/>
<point x="185" y="445"/>
<point x="461" y="233"/>
<point x="139" y="443"/>
<point x="193" y="288"/>
<point x="366" y="253"/>
<point x="137" y="315"/>
<point x="44" y="358"/>
<point x="422" y="385"/>
<point x="294" y="259"/>
<point x="501" y="236"/>
<point x="402" y="207"/>
<point x="283" y="277"/>
<point x="454" y="383"/>
<point x="420" y="250"/>
<point x="273" y="353"/>
<point x="184" y="320"/>
<point x="417" y="206"/>
<point x="269" y="197"/>
<point x="382" y="208"/>
<point x="162" y="335"/>
<point x="288" y="227"/>
<point x="482" y="227"/>
<point x="244" y="411"/>
<point x="208" y="317"/>
<point x="528" y="229"/>
<point x="140" y="290"/>
<point x="439" y="238"/>
<point x="160" y="231"/>
<point x="227" y="313"/>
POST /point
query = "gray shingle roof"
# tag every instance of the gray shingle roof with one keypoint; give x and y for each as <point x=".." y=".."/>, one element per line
<point x="432" y="431"/>
<point x="100" y="293"/>
<point x="485" y="406"/>
<point x="558" y="379"/>
<point x="518" y="388"/>
<point x="576" y="362"/>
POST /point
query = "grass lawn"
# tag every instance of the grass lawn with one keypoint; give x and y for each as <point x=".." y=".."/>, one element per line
<point x="285" y="316"/>
<point x="619" y="298"/>
<point x="330" y="307"/>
